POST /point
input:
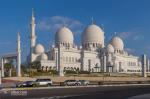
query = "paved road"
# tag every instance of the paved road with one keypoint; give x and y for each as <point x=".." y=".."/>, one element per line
<point x="102" y="92"/>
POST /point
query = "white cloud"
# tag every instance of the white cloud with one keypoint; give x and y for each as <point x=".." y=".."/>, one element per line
<point x="138" y="37"/>
<point x="125" y="35"/>
<point x="129" y="50"/>
<point x="2" y="44"/>
<point x="131" y="35"/>
<point x="148" y="47"/>
<point x="52" y="24"/>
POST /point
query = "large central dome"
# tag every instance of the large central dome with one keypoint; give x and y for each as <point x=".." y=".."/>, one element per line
<point x="93" y="34"/>
<point x="64" y="36"/>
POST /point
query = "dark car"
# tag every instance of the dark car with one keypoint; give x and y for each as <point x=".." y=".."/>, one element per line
<point x="26" y="84"/>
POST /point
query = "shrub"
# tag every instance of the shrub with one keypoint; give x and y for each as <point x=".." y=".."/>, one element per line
<point x="84" y="72"/>
<point x="70" y="72"/>
<point x="53" y="72"/>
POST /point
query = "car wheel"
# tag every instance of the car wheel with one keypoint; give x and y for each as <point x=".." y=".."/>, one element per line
<point x="76" y="84"/>
<point x="48" y="85"/>
<point x="33" y="85"/>
<point x="66" y="84"/>
<point x="21" y="85"/>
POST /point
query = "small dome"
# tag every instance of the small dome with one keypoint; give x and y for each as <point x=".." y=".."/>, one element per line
<point x="39" y="49"/>
<point x="44" y="56"/>
<point x="117" y="43"/>
<point x="110" y="48"/>
<point x="93" y="34"/>
<point x="64" y="35"/>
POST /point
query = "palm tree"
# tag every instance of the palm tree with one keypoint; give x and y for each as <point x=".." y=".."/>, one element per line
<point x="36" y="65"/>
<point x="23" y="68"/>
<point x="8" y="67"/>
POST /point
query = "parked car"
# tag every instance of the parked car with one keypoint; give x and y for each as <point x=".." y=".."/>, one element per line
<point x="44" y="82"/>
<point x="84" y="82"/>
<point x="72" y="83"/>
<point x="26" y="84"/>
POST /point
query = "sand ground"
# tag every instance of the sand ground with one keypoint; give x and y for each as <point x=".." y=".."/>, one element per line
<point x="61" y="79"/>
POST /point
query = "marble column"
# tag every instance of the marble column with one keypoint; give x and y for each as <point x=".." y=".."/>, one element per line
<point x="108" y="63"/>
<point x="104" y="63"/>
<point x="89" y="65"/>
<point x="0" y="77"/>
<point x="10" y="72"/>
<point x="60" y="64"/>
<point x="18" y="57"/>
<point x="148" y="68"/>
<point x="144" y="66"/>
<point x="56" y="60"/>
<point x="2" y="67"/>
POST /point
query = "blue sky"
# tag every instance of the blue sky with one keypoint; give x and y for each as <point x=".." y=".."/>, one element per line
<point x="129" y="18"/>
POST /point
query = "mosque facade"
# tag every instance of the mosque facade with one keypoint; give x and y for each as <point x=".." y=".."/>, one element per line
<point x="93" y="55"/>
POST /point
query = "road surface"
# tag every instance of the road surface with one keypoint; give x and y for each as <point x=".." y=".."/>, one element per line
<point x="101" y="92"/>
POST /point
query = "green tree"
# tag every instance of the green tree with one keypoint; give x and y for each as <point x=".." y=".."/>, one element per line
<point x="36" y="65"/>
<point x="23" y="68"/>
<point x="8" y="66"/>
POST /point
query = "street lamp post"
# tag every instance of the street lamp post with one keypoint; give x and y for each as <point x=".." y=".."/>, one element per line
<point x="0" y="78"/>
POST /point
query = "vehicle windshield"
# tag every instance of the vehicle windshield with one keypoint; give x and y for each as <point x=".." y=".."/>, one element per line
<point x="71" y="80"/>
<point x="43" y="80"/>
<point x="28" y="81"/>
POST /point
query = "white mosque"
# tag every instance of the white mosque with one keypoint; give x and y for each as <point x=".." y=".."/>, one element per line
<point x="92" y="56"/>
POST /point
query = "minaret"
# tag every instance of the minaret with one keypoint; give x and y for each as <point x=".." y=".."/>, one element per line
<point x="32" y="35"/>
<point x="0" y="77"/>
<point x="144" y="58"/>
<point x="18" y="56"/>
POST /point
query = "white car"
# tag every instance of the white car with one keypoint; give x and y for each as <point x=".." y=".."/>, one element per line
<point x="44" y="82"/>
<point x="84" y="82"/>
<point x="72" y="83"/>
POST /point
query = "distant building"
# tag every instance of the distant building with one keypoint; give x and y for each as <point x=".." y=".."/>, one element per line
<point x="93" y="55"/>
